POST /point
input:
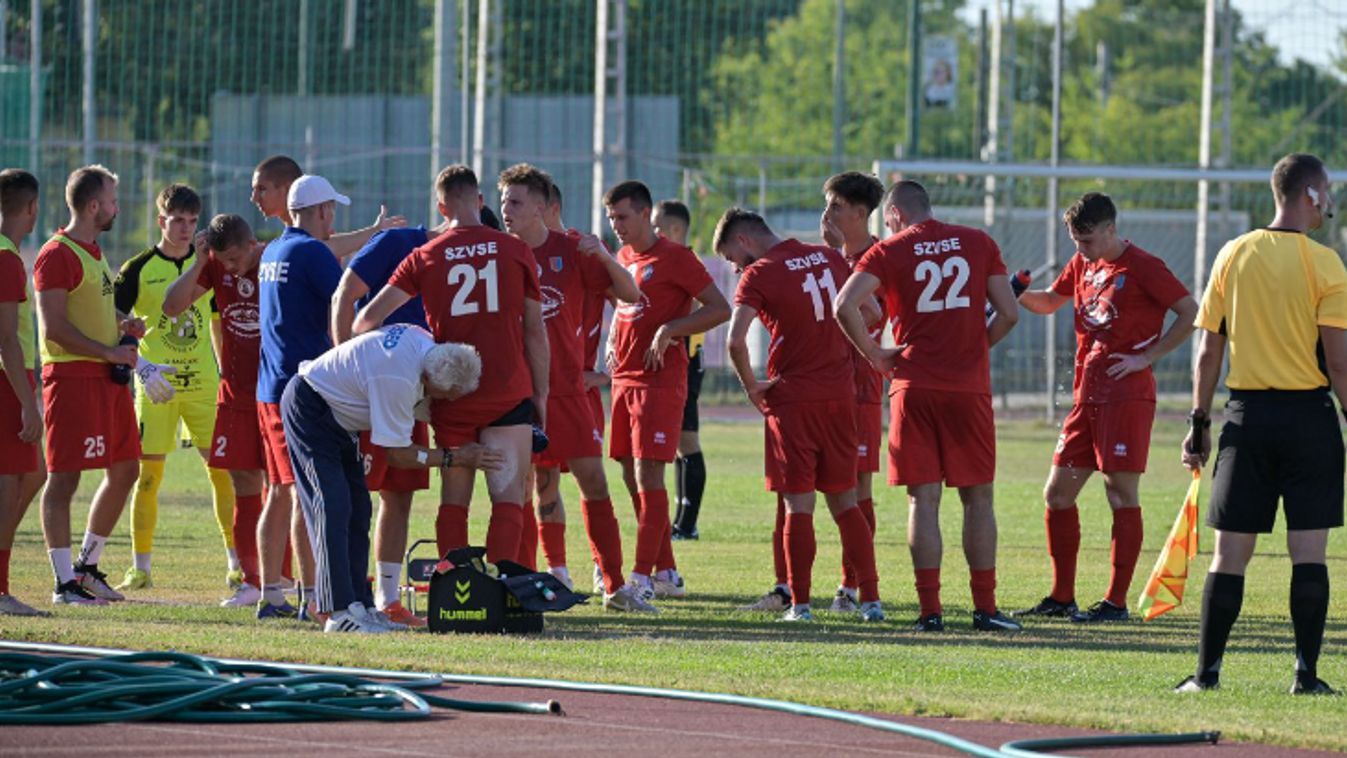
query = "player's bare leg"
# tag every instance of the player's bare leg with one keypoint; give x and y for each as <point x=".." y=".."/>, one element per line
<point x="273" y="528"/>
<point x="507" y="487"/>
<point x="305" y="569"/>
<point x="16" y="493"/>
<point x="390" y="545"/>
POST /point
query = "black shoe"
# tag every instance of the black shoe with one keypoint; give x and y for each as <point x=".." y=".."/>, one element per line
<point x="1317" y="687"/>
<point x="1196" y="684"/>
<point x="932" y="622"/>
<point x="679" y="535"/>
<point x="1050" y="607"/>
<point x="1100" y="611"/>
<point x="997" y="622"/>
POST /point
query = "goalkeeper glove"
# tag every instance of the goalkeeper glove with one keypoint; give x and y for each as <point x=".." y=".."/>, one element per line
<point x="157" y="388"/>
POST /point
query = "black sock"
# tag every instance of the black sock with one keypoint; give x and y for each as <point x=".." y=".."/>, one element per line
<point x="693" y="485"/>
<point x="680" y="489"/>
<point x="1309" y="609"/>
<point x="1221" y="601"/>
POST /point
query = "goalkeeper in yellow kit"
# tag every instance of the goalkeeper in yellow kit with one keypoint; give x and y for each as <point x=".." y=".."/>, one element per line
<point x="181" y="346"/>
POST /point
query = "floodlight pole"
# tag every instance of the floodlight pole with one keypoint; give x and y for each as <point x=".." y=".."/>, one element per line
<point x="1050" y="323"/>
<point x="1204" y="156"/>
<point x="479" y="96"/>
<point x="839" y="84"/>
<point x="913" y="77"/>
<point x="35" y="92"/>
<point x="442" y="76"/>
<point x="89" y="39"/>
<point x="610" y="100"/>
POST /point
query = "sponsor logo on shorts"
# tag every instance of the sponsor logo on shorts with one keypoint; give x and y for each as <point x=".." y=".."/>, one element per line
<point x="863" y="450"/>
<point x="597" y="437"/>
<point x="1120" y="449"/>
<point x="660" y="439"/>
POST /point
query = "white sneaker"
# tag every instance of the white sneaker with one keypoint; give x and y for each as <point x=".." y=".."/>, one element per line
<point x="643" y="586"/>
<point x="798" y="613"/>
<point x="387" y="623"/>
<point x="872" y="611"/>
<point x="628" y="598"/>
<point x="12" y="606"/>
<point x="598" y="581"/>
<point x="71" y="593"/>
<point x="563" y="576"/>
<point x="246" y="596"/>
<point x="354" y="619"/>
<point x="668" y="583"/>
<point x="844" y="601"/>
<point x="95" y="582"/>
<point x="775" y="601"/>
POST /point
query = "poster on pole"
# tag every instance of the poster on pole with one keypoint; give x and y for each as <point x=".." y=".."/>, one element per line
<point x="940" y="71"/>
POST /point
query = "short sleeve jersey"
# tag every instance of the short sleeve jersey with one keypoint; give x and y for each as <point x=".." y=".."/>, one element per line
<point x="566" y="278"/>
<point x="236" y="299"/>
<point x="1269" y="292"/>
<point x="373" y="382"/>
<point x="473" y="281"/>
<point x="792" y="288"/>
<point x="16" y="288"/>
<point x="933" y="277"/>
<point x="1120" y="309"/>
<point x="670" y="276"/>
<point x="181" y="341"/>
<point x="869" y="382"/>
<point x="296" y="279"/>
<point x="379" y="258"/>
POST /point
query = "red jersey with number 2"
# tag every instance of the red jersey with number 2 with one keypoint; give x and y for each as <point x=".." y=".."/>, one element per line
<point x="473" y="281"/>
<point x="933" y="277"/>
<point x="792" y="288"/>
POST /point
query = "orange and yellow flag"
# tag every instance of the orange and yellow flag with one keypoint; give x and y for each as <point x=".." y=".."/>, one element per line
<point x="1164" y="590"/>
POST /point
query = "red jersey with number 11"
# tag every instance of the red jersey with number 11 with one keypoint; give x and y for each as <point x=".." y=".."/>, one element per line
<point x="933" y="277"/>
<point x="473" y="281"/>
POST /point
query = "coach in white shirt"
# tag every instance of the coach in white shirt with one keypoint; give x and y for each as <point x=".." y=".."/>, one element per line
<point x="374" y="382"/>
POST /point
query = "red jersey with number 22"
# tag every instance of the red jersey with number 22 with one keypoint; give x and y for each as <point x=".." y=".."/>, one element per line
<point x="933" y="277"/>
<point x="473" y="281"/>
<point x="670" y="277"/>
<point x="792" y="288"/>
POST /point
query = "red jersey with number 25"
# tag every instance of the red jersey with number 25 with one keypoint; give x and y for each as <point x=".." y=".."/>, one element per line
<point x="240" y="350"/>
<point x="473" y="281"/>
<point x="670" y="276"/>
<point x="792" y="288"/>
<point x="933" y="277"/>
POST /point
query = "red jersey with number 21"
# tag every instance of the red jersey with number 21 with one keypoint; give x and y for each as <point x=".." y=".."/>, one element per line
<point x="933" y="277"/>
<point x="473" y="281"/>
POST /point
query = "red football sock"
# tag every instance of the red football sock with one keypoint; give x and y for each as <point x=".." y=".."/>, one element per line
<point x="666" y="554"/>
<point x="553" y="536"/>
<point x="605" y="540"/>
<point x="1127" y="534"/>
<point x="527" y="555"/>
<point x="502" y="532"/>
<point x="451" y="527"/>
<point x="247" y="510"/>
<point x="1063" y="547"/>
<point x="858" y="549"/>
<point x="651" y="530"/>
<point x="4" y="571"/>
<point x="779" y="543"/>
<point x="800" y="551"/>
<point x="983" y="584"/>
<point x="867" y="507"/>
<point x="928" y="591"/>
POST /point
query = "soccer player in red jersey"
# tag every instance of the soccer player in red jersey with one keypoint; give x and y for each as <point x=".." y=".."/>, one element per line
<point x="649" y="365"/>
<point x="936" y="280"/>
<point x="1120" y="294"/>
<point x="808" y="399"/>
<point x="571" y="267"/>
<point x="21" y="475"/>
<point x="230" y="273"/>
<point x="479" y="287"/>
<point x="90" y="419"/>
<point x="271" y="185"/>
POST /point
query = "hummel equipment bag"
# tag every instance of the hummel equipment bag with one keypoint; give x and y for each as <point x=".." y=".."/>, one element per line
<point x="467" y="594"/>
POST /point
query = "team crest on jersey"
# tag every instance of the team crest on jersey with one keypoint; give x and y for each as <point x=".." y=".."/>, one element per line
<point x="557" y="263"/>
<point x="246" y="288"/>
<point x="647" y="272"/>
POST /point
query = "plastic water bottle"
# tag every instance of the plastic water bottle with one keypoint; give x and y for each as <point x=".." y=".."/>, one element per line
<point x="121" y="372"/>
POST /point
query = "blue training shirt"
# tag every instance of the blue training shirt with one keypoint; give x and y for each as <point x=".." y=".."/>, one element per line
<point x="296" y="278"/>
<point x="375" y="262"/>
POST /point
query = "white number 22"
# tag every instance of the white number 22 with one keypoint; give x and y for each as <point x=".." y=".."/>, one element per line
<point x="934" y="275"/>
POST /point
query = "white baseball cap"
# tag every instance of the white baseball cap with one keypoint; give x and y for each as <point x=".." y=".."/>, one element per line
<point x="311" y="189"/>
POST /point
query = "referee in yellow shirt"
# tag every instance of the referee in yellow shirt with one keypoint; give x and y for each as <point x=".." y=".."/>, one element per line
<point x="1278" y="300"/>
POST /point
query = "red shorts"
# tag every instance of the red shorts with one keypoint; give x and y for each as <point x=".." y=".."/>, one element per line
<point x="276" y="452"/>
<point x="571" y="432"/>
<point x="811" y="446"/>
<point x="236" y="444"/>
<point x="869" y="436"/>
<point x="91" y="421"/>
<point x="596" y="406"/>
<point x="646" y="422"/>
<point x="937" y="436"/>
<point x="1106" y="437"/>
<point x="458" y="422"/>
<point x="379" y="475"/>
<point x="16" y="456"/>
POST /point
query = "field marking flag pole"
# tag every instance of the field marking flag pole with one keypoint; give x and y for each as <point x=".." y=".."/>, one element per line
<point x="1164" y="589"/>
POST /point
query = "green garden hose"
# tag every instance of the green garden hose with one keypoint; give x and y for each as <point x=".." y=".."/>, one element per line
<point x="316" y="696"/>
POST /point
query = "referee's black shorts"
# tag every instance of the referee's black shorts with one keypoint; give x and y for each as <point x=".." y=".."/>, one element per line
<point x="1278" y="444"/>
<point x="691" y="419"/>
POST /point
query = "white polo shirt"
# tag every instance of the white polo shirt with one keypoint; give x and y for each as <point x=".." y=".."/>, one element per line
<point x="373" y="381"/>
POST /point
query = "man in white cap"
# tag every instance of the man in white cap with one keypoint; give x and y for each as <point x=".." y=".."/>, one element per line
<point x="296" y="278"/>
<point x="370" y="383"/>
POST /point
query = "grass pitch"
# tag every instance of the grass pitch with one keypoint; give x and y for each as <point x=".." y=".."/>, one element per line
<point x="1113" y="676"/>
